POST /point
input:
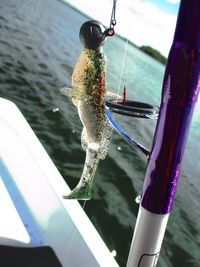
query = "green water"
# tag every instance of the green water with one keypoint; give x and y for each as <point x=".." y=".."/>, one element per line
<point x="39" y="46"/>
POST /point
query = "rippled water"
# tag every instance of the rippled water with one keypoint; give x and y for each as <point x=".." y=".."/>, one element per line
<point x="39" y="46"/>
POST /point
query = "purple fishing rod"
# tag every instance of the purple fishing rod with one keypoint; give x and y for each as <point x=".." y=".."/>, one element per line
<point x="179" y="95"/>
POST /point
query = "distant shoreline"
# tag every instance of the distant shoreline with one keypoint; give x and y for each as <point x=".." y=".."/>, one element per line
<point x="154" y="53"/>
<point x="148" y="50"/>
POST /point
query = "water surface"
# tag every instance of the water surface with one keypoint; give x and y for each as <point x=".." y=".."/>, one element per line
<point x="39" y="46"/>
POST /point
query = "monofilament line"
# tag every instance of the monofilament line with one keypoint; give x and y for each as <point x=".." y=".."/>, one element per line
<point x="122" y="68"/>
<point x="73" y="235"/>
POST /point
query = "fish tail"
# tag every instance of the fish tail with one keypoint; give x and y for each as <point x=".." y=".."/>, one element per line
<point x="83" y="189"/>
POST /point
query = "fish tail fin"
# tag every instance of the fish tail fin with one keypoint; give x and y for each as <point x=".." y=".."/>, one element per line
<point x="83" y="189"/>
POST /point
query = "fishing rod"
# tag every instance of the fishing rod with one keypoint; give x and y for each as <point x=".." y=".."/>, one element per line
<point x="180" y="91"/>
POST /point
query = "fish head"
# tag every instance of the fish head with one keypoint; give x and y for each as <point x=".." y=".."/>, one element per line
<point x="92" y="34"/>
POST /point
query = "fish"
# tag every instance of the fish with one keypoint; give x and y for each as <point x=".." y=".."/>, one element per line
<point x="88" y="93"/>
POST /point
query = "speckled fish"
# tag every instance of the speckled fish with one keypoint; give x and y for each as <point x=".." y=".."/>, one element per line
<point x="88" y="95"/>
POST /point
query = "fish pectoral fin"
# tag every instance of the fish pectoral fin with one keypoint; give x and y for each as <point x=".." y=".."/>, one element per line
<point x="113" y="94"/>
<point x="67" y="91"/>
<point x="75" y="93"/>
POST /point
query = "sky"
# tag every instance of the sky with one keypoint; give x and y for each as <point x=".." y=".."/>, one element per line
<point x="144" y="22"/>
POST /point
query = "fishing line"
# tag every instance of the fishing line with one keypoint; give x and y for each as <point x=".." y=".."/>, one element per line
<point x="122" y="69"/>
<point x="113" y="21"/>
<point x="74" y="232"/>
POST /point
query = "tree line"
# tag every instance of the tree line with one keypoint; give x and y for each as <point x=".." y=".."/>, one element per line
<point x="154" y="53"/>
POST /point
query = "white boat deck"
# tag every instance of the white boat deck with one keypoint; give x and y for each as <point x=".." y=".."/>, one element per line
<point x="33" y="212"/>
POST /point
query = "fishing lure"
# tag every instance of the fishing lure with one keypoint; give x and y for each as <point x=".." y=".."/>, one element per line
<point x="89" y="96"/>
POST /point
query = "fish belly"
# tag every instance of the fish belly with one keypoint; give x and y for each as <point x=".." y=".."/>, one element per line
<point x="93" y="119"/>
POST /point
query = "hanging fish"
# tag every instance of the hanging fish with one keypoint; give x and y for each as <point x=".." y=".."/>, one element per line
<point x="88" y="95"/>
